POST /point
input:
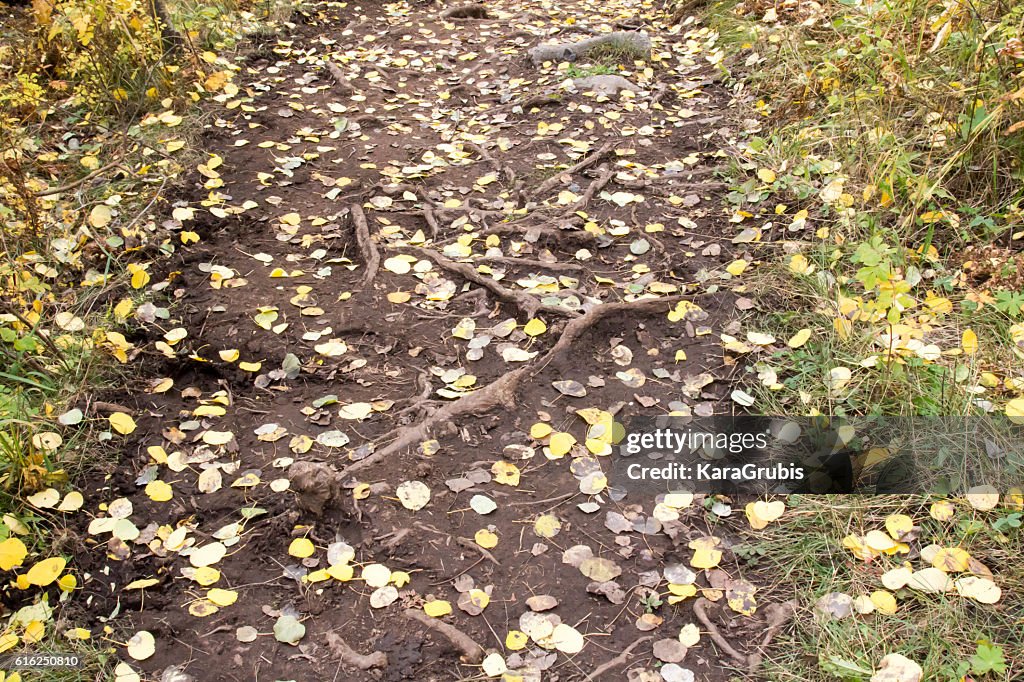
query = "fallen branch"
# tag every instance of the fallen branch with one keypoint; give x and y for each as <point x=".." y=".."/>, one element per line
<point x="554" y="181"/>
<point x="621" y="659"/>
<point x="366" y="246"/>
<point x="716" y="636"/>
<point x="527" y="303"/>
<point x="80" y="181"/>
<point x="471" y="651"/>
<point x="348" y="656"/>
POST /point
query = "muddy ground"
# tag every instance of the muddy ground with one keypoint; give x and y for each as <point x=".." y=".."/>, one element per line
<point x="375" y="238"/>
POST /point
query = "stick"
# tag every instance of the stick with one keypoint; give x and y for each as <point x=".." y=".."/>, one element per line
<point x="369" y="250"/>
<point x="471" y="651"/>
<point x="469" y="544"/>
<point x="338" y="647"/>
<point x="617" y="661"/>
<point x="593" y="188"/>
<point x="527" y="262"/>
<point x="72" y="185"/>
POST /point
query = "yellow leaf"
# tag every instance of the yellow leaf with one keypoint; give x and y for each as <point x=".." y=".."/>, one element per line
<point x="516" y="640"/>
<point x="561" y="443"/>
<point x="159" y="491"/>
<point x="547" y="526"/>
<point x="942" y="511"/>
<point x="301" y="548"/>
<point x="121" y="422"/>
<point x="535" y="327"/>
<point x="737" y="267"/>
<point x="12" y="553"/>
<point x="799" y="339"/>
<point x="969" y="342"/>
<point x="706" y="554"/>
<point x="222" y="597"/>
<point x="46" y="571"/>
<point x="951" y="560"/>
<point x="1015" y="410"/>
<point x="505" y="473"/>
<point x="486" y="538"/>
<point x="884" y="601"/>
<point x="761" y="513"/>
<point x="766" y="175"/>
<point x="437" y="608"/>
<point x="399" y="297"/>
<point x="229" y="355"/>
<point x="100" y="216"/>
<point x="898" y="525"/>
<point x="540" y="430"/>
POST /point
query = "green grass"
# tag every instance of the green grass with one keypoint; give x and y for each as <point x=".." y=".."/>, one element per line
<point x="803" y="557"/>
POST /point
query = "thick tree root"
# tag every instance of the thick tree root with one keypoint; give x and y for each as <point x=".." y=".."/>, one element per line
<point x="366" y="246"/>
<point x="525" y="302"/>
<point x="471" y="651"/>
<point x="348" y="656"/>
<point x="503" y="391"/>
<point x="619" y="660"/>
<point x="716" y="636"/>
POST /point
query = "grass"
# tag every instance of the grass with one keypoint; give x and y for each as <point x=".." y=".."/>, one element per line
<point x="67" y="291"/>
<point x="892" y="165"/>
<point x="885" y="193"/>
<point x="804" y="557"/>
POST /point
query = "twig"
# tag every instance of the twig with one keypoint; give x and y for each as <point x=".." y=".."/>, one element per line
<point x="471" y="651"/>
<point x="593" y="188"/>
<point x="369" y="250"/>
<point x="81" y="181"/>
<point x="617" y="661"/>
<point x="527" y="262"/>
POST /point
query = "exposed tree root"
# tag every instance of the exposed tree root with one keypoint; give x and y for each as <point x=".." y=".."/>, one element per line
<point x="593" y="188"/>
<point x="371" y="256"/>
<point x="344" y="88"/>
<point x="530" y="263"/>
<point x="716" y="636"/>
<point x="469" y="544"/>
<point x="503" y="391"/>
<point x="525" y="302"/>
<point x="470" y="11"/>
<point x="471" y="651"/>
<point x="553" y="182"/>
<point x="428" y="215"/>
<point x="348" y="656"/>
<point x="619" y="660"/>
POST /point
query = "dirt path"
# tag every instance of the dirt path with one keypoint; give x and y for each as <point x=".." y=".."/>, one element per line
<point x="376" y="241"/>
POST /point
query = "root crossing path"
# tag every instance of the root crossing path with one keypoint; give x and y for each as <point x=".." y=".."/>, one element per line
<point x="434" y="264"/>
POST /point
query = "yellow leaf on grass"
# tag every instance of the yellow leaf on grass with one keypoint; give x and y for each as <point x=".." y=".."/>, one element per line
<point x="799" y="339"/>
<point x="1015" y="410"/>
<point x="969" y="342"/>
<point x="884" y="601"/>
<point x="736" y="267"/>
<point x="761" y="513"/>
<point x="942" y="511"/>
<point x="898" y="525"/>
